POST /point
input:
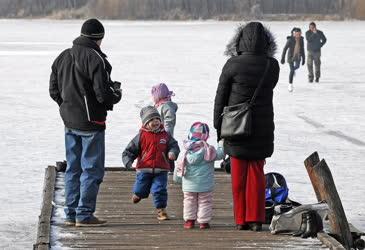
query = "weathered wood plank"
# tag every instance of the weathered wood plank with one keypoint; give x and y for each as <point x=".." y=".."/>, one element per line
<point x="134" y="226"/>
<point x="328" y="192"/>
<point x="44" y="223"/>
<point x="309" y="164"/>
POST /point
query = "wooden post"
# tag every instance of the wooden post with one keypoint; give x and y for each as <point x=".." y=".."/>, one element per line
<point x="324" y="184"/>
<point x="309" y="163"/>
<point x="44" y="223"/>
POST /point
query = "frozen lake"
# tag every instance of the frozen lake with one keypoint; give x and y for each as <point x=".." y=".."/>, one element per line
<point x="327" y="117"/>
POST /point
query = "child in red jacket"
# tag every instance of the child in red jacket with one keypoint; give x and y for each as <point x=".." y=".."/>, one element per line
<point x="153" y="147"/>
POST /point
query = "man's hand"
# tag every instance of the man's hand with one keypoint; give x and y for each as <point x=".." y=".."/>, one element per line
<point x="171" y="156"/>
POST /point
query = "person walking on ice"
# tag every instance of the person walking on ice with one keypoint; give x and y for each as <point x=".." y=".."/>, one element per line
<point x="315" y="41"/>
<point x="295" y="47"/>
<point x="81" y="86"/>
<point x="197" y="172"/>
<point x="153" y="147"/>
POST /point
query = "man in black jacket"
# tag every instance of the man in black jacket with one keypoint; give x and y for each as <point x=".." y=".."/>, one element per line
<point x="315" y="41"/>
<point x="80" y="84"/>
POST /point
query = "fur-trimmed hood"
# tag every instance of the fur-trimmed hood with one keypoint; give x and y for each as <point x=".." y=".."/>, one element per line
<point x="252" y="37"/>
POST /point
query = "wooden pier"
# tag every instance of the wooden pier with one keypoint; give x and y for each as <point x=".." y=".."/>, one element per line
<point x="134" y="226"/>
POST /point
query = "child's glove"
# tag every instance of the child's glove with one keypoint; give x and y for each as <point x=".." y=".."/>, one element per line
<point x="171" y="156"/>
<point x="129" y="165"/>
<point x="282" y="61"/>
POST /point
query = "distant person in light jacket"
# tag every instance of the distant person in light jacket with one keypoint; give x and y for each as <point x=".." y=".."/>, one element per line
<point x="315" y="41"/>
<point x="250" y="50"/>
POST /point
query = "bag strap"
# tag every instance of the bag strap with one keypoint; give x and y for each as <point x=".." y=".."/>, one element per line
<point x="260" y="83"/>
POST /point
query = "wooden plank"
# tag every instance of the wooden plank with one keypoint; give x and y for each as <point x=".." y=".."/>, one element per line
<point x="329" y="241"/>
<point x="44" y="223"/>
<point x="328" y="192"/>
<point x="309" y="164"/>
<point x="134" y="226"/>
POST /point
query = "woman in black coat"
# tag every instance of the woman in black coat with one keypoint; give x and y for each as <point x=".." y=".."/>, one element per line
<point x="295" y="47"/>
<point x="250" y="50"/>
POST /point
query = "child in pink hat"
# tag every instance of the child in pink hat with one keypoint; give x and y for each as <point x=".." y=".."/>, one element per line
<point x="161" y="96"/>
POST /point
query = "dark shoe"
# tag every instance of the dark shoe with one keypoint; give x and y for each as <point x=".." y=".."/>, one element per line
<point x="162" y="214"/>
<point x="204" y="226"/>
<point x="255" y="226"/>
<point x="61" y="166"/>
<point x="303" y="226"/>
<point x="310" y="80"/>
<point x="189" y="224"/>
<point x="317" y="79"/>
<point x="69" y="222"/>
<point x="242" y="227"/>
<point x="136" y="199"/>
<point x="311" y="229"/>
<point x="92" y="222"/>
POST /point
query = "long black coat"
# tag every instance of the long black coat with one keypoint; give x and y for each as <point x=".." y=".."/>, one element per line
<point x="254" y="45"/>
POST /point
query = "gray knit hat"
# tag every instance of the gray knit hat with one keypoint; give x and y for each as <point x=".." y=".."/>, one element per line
<point x="148" y="113"/>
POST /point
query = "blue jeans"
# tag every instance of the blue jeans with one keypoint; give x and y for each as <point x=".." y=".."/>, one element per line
<point x="154" y="183"/>
<point x="85" y="155"/>
<point x="294" y="65"/>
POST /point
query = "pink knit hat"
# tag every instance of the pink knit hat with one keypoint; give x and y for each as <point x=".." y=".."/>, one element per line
<point x="160" y="92"/>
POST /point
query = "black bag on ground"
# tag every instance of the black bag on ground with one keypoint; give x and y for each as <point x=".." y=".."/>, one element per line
<point x="237" y="119"/>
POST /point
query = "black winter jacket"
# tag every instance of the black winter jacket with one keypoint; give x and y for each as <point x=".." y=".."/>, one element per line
<point x="250" y="49"/>
<point x="80" y="84"/>
<point x="290" y="45"/>
<point x="315" y="41"/>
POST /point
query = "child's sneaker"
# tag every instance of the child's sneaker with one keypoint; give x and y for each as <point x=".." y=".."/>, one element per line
<point x="204" y="225"/>
<point x="189" y="224"/>
<point x="136" y="199"/>
<point x="161" y="214"/>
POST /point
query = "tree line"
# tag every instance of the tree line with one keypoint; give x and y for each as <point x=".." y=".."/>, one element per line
<point x="174" y="9"/>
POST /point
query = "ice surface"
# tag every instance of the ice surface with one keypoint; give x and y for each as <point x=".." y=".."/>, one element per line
<point x="188" y="56"/>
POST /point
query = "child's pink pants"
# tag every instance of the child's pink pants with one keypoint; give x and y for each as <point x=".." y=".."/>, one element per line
<point x="198" y="206"/>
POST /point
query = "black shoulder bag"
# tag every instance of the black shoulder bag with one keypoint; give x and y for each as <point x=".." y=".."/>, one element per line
<point x="237" y="119"/>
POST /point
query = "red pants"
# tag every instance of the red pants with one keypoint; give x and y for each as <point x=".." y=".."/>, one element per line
<point x="248" y="189"/>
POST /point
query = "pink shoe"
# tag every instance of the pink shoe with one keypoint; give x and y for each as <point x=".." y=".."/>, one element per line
<point x="204" y="226"/>
<point x="189" y="224"/>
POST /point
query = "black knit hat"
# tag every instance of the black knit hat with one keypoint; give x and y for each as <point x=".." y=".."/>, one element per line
<point x="93" y="29"/>
<point x="148" y="113"/>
